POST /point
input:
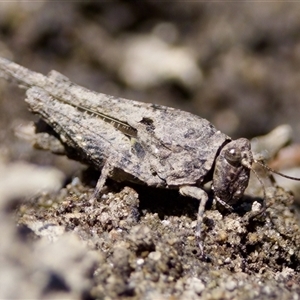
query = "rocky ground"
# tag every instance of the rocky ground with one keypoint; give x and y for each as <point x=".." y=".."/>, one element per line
<point x="235" y="64"/>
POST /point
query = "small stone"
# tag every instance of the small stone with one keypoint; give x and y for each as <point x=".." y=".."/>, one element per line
<point x="227" y="260"/>
<point x="256" y="207"/>
<point x="231" y="285"/>
<point x="156" y="255"/>
<point x="140" y="261"/>
<point x="196" y="285"/>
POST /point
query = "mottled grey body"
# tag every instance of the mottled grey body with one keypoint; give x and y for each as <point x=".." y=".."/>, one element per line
<point x="178" y="148"/>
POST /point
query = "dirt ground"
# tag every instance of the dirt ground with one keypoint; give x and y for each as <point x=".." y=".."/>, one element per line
<point x="236" y="65"/>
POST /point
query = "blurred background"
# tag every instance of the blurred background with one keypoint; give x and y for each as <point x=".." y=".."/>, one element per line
<point x="236" y="64"/>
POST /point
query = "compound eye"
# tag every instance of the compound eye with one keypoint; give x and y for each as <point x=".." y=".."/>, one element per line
<point x="233" y="156"/>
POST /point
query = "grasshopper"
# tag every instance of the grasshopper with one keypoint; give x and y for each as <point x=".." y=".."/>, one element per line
<point x="133" y="141"/>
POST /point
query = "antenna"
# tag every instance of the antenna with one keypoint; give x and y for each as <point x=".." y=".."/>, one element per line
<point x="276" y="172"/>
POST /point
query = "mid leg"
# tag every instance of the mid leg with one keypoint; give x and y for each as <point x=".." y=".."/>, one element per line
<point x="201" y="195"/>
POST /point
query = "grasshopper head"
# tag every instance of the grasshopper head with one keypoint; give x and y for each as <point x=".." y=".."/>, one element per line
<point x="232" y="171"/>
